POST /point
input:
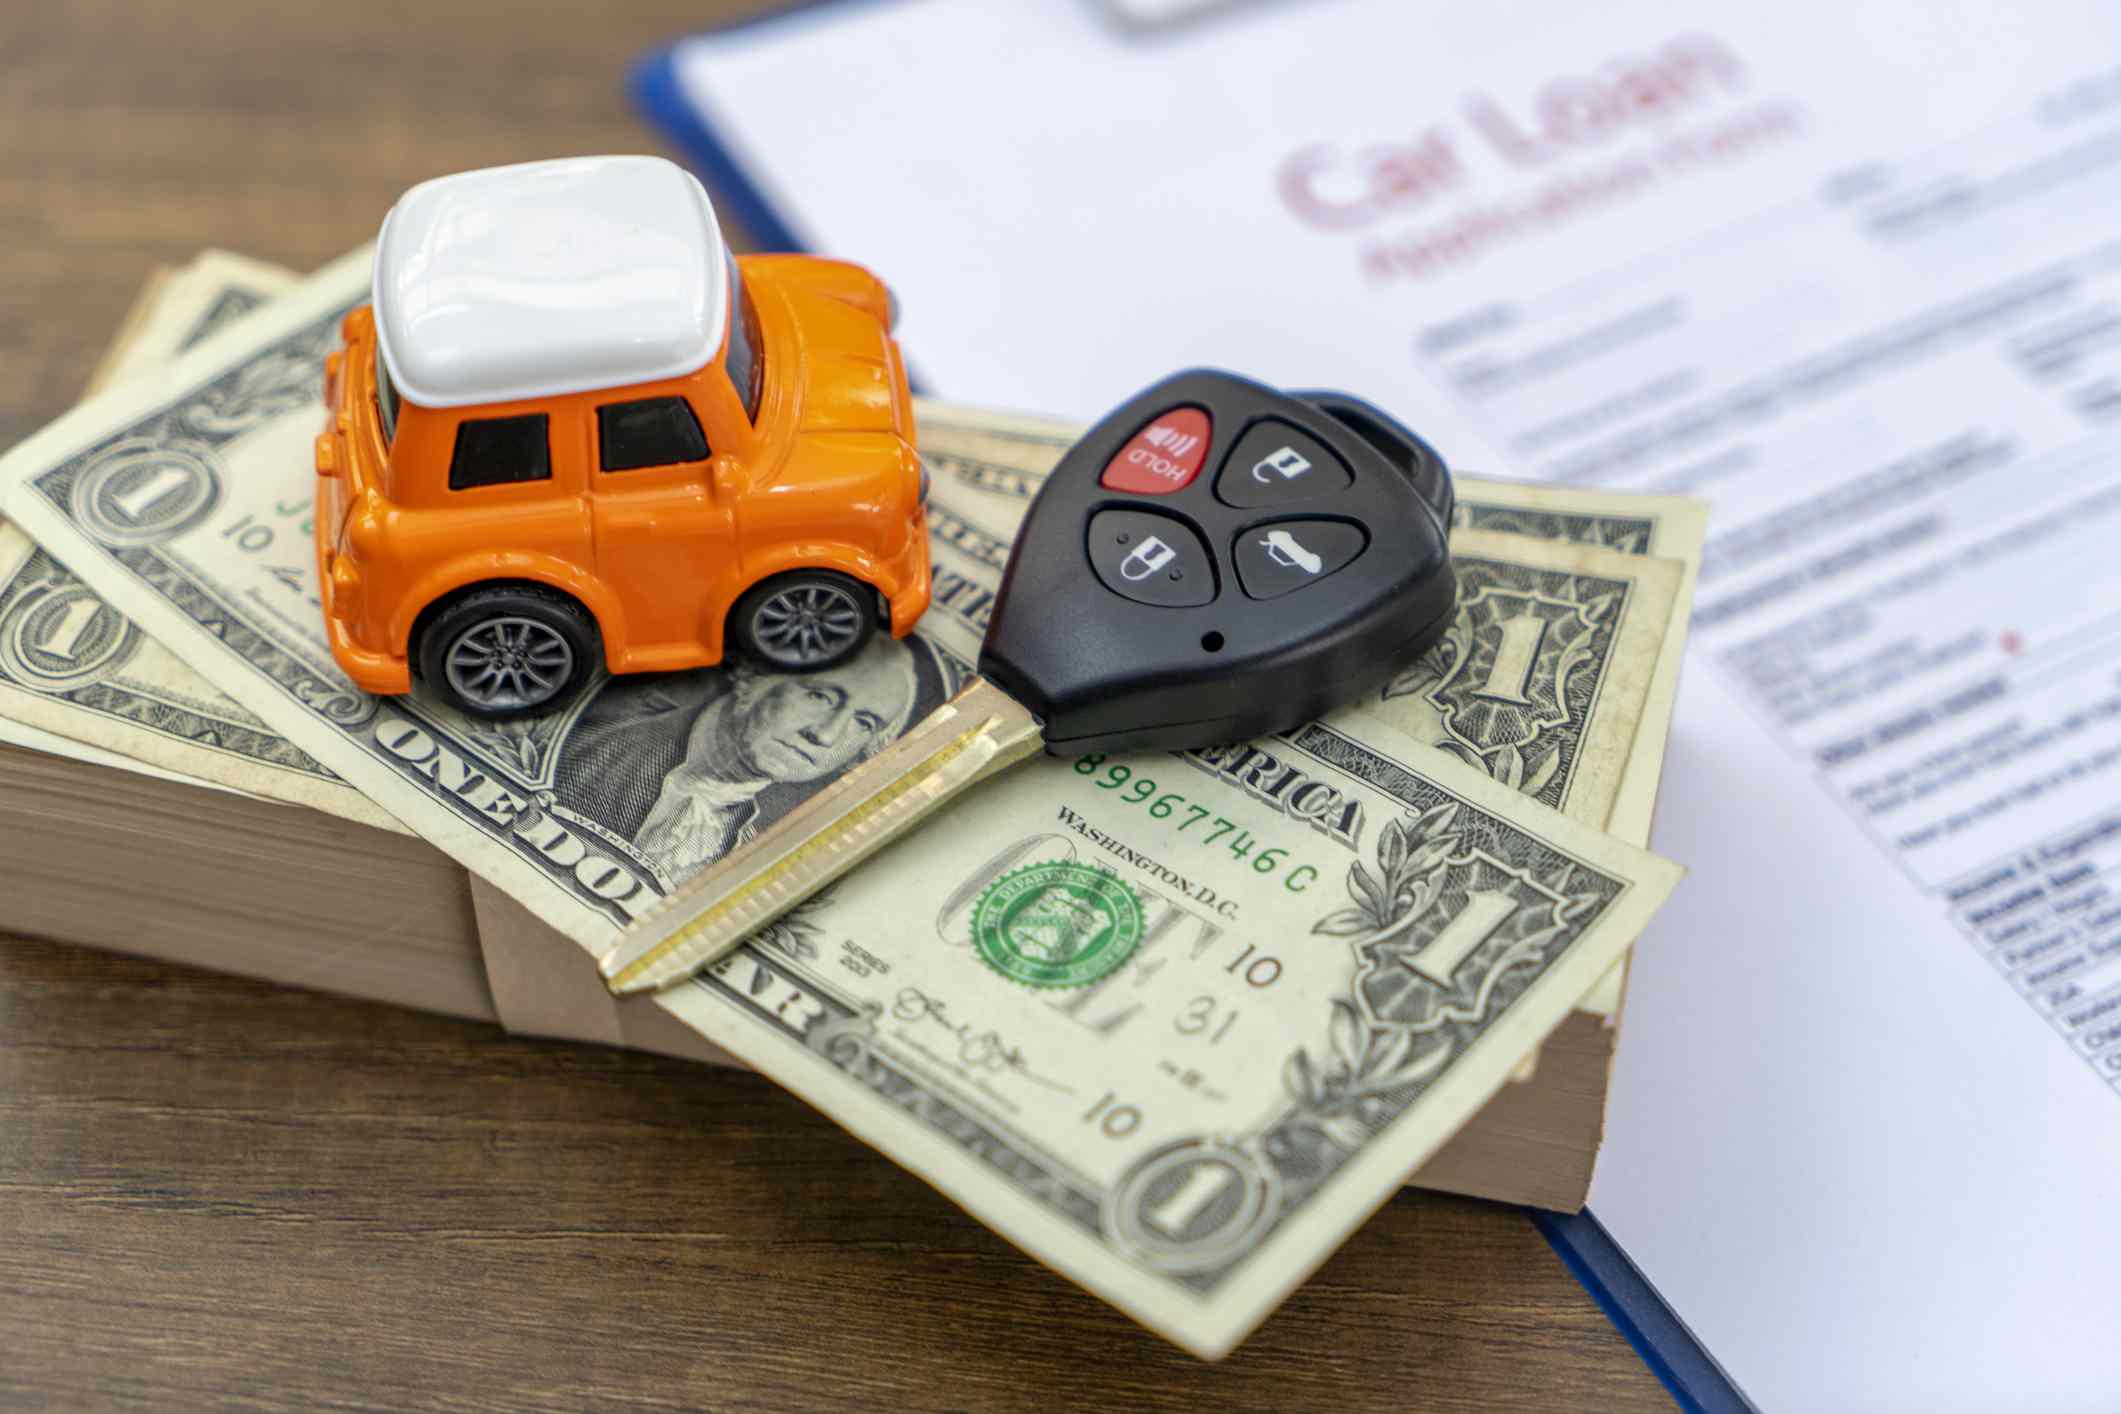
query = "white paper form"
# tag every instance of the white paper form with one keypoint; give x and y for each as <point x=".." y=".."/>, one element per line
<point x="1852" y="272"/>
<point x="1913" y="442"/>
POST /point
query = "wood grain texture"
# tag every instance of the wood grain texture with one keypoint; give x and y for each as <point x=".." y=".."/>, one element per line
<point x="217" y="1193"/>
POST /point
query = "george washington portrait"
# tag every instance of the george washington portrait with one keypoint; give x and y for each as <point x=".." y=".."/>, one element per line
<point x="688" y="766"/>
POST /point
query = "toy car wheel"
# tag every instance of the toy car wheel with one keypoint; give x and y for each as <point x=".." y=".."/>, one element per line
<point x="509" y="649"/>
<point x="804" y="620"/>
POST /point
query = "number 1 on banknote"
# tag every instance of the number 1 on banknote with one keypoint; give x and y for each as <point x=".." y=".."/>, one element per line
<point x="1214" y="562"/>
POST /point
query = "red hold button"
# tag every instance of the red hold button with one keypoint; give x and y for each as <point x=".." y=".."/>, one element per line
<point x="1161" y="458"/>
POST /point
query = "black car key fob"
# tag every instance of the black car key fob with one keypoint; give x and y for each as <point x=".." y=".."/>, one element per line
<point x="1217" y="560"/>
<point x="1214" y="561"/>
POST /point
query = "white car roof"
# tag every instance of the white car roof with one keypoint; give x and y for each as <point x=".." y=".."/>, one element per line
<point x="549" y="278"/>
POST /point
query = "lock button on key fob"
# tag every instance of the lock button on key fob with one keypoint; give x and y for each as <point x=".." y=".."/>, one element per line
<point x="1150" y="559"/>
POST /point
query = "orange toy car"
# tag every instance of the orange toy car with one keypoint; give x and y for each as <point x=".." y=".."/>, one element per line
<point x="572" y="427"/>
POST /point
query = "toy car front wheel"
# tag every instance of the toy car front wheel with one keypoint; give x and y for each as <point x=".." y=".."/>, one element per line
<point x="508" y="649"/>
<point x="803" y="621"/>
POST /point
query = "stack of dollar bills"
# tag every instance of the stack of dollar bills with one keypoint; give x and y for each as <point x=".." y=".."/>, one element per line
<point x="1342" y="945"/>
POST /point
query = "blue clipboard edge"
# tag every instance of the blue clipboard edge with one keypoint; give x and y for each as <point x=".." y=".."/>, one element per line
<point x="1585" y="1248"/>
<point x="1679" y="1362"/>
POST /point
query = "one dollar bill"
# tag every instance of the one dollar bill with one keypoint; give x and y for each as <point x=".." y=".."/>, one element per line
<point x="1177" y="1024"/>
<point x="995" y="462"/>
<point x="78" y="679"/>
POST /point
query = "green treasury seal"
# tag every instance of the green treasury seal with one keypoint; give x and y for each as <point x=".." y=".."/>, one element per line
<point x="1058" y="924"/>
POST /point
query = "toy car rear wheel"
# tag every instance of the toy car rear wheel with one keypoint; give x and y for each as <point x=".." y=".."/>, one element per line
<point x="507" y="650"/>
<point x="804" y="621"/>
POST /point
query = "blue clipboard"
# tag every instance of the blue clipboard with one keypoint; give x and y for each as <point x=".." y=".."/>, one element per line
<point x="1585" y="1248"/>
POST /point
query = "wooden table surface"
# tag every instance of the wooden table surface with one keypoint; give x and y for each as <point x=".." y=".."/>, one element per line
<point x="219" y="1193"/>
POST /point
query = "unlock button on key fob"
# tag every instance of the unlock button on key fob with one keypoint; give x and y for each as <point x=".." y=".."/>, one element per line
<point x="1151" y="559"/>
<point x="1277" y="559"/>
<point x="1274" y="463"/>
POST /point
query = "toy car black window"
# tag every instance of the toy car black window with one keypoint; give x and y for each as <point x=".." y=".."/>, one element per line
<point x="386" y="399"/>
<point x="649" y="432"/>
<point x="745" y="362"/>
<point x="497" y="451"/>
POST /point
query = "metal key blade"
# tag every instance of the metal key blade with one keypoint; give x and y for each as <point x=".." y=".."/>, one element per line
<point x="979" y="731"/>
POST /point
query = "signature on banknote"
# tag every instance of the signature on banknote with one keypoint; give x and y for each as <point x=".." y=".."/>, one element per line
<point x="977" y="1049"/>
